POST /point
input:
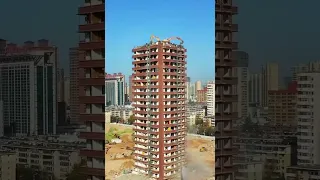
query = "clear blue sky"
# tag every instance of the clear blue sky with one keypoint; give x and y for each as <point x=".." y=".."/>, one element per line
<point x="131" y="23"/>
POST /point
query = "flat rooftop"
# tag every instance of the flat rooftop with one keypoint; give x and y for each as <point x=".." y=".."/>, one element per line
<point x="306" y="167"/>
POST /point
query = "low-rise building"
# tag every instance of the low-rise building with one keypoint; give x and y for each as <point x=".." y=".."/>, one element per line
<point x="272" y="156"/>
<point x="48" y="154"/>
<point x="196" y="109"/>
<point x="123" y="112"/>
<point x="303" y="172"/>
<point x="249" y="167"/>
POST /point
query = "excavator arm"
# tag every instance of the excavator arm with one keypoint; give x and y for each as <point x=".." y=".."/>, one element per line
<point x="154" y="37"/>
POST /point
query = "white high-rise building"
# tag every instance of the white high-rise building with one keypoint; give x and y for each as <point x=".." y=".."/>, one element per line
<point x="28" y="88"/>
<point x="303" y="68"/>
<point x="308" y="115"/>
<point x="211" y="98"/>
<point x="211" y="101"/>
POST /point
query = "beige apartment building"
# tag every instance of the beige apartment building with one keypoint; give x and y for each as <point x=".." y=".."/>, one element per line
<point x="8" y="162"/>
<point x="198" y="85"/>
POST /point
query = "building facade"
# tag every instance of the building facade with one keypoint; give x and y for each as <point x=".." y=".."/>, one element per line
<point x="255" y="88"/>
<point x="92" y="87"/>
<point x="304" y="68"/>
<point x="198" y="85"/>
<point x="282" y="106"/>
<point x="202" y="95"/>
<point x="130" y="88"/>
<point x="123" y="112"/>
<point x="192" y="92"/>
<point x="56" y="158"/>
<point x="159" y="92"/>
<point x="303" y="172"/>
<point x="270" y="81"/>
<point x="211" y="99"/>
<point x="226" y="95"/>
<point x="307" y="116"/>
<point x="8" y="164"/>
<point x="242" y="71"/>
<point x="188" y="83"/>
<point x="74" y="55"/>
<point x="271" y="156"/>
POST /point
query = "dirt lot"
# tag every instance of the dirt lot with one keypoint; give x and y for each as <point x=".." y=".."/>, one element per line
<point x="116" y="165"/>
<point x="200" y="165"/>
<point x="119" y="158"/>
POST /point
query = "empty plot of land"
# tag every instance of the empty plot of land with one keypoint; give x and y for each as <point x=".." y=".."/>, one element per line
<point x="119" y="159"/>
<point x="200" y="158"/>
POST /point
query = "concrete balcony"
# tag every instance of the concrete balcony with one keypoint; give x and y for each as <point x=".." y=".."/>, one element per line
<point x="91" y="9"/>
<point x="92" y="27"/>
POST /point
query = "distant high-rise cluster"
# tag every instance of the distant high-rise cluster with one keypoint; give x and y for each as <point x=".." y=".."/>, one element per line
<point x="262" y="82"/>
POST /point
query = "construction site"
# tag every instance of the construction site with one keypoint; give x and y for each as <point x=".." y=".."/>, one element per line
<point x="120" y="160"/>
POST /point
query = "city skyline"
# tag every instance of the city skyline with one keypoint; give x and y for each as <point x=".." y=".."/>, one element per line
<point x="65" y="36"/>
<point x="199" y="41"/>
<point x="258" y="117"/>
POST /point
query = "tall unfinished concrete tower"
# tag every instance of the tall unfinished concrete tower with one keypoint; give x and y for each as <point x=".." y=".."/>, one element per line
<point x="159" y="97"/>
<point x="226" y="95"/>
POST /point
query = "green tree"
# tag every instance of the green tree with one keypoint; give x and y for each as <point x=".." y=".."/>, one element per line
<point x="24" y="173"/>
<point x="198" y="121"/>
<point x="131" y="120"/>
<point x="75" y="173"/>
<point x="28" y="173"/>
<point x="115" y="119"/>
<point x="209" y="131"/>
<point x="201" y="130"/>
<point x="192" y="129"/>
<point x="269" y="169"/>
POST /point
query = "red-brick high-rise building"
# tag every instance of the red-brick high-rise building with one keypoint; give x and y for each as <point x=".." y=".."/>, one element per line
<point x="92" y="87"/>
<point x="226" y="94"/>
<point x="159" y="96"/>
